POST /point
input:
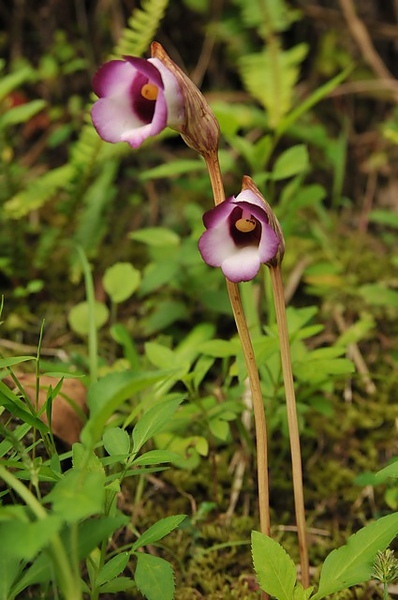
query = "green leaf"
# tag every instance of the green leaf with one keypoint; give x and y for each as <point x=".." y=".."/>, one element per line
<point x="79" y="494"/>
<point x="160" y="356"/>
<point x="353" y="563"/>
<point x="116" y="441"/>
<point x="156" y="236"/>
<point x="276" y="572"/>
<point x="15" y="80"/>
<point x="107" y="394"/>
<point x="292" y="161"/>
<point x="157" y="531"/>
<point x="39" y="191"/>
<point x="153" y="421"/>
<point x="10" y="361"/>
<point x="21" y="113"/>
<point x="220" y="348"/>
<point x="25" y="540"/>
<point x="121" y="584"/>
<point x="377" y="294"/>
<point x="309" y="102"/>
<point x="171" y="169"/>
<point x="154" y="577"/>
<point x="9" y="571"/>
<point x="388" y="471"/>
<point x="121" y="281"/>
<point x="384" y="217"/>
<point x="154" y="457"/>
<point x="112" y="568"/>
<point x="79" y="317"/>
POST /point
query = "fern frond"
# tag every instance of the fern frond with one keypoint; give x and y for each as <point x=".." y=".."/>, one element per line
<point x="142" y="26"/>
<point x="271" y="79"/>
<point x="38" y="192"/>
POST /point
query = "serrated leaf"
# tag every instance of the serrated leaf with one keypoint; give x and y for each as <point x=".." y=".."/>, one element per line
<point x="158" y="530"/>
<point x="353" y="563"/>
<point x="154" y="577"/>
<point x="276" y="572"/>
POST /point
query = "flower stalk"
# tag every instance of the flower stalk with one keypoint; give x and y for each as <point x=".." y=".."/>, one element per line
<point x="244" y="335"/>
<point x="280" y="311"/>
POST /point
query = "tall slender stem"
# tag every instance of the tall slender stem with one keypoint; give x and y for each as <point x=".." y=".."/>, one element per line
<point x="257" y="398"/>
<point x="280" y="310"/>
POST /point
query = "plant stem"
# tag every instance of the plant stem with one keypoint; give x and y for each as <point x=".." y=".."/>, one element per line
<point x="69" y="585"/>
<point x="257" y="398"/>
<point x="280" y="310"/>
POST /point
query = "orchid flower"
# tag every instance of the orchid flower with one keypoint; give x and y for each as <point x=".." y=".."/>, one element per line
<point x="239" y="236"/>
<point x="138" y="98"/>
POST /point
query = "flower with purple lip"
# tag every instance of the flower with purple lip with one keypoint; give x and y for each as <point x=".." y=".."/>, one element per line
<point x="239" y="237"/>
<point x="138" y="98"/>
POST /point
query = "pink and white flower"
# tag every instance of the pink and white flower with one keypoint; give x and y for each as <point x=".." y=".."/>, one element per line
<point x="239" y="237"/>
<point x="138" y="98"/>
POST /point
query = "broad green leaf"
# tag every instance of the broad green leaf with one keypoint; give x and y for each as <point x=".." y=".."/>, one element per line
<point x="121" y="281"/>
<point x="153" y="421"/>
<point x="107" y="394"/>
<point x="154" y="457"/>
<point x="116" y="441"/>
<point x="112" y="568"/>
<point x="276" y="572"/>
<point x="156" y="236"/>
<point x="25" y="540"/>
<point x="388" y="471"/>
<point x="154" y="577"/>
<point x="157" y="531"/>
<point x="220" y="348"/>
<point x="90" y="533"/>
<point x="353" y="563"/>
<point x="9" y="571"/>
<point x="79" y="494"/>
<point x="292" y="161"/>
<point x="78" y="317"/>
<point x="160" y="356"/>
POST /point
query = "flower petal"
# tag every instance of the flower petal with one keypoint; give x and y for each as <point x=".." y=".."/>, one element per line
<point x="269" y="243"/>
<point x="215" y="245"/>
<point x="113" y="78"/>
<point x="242" y="265"/>
<point x="212" y="218"/>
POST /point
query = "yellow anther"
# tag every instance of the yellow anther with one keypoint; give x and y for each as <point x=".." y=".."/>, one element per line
<point x="245" y="225"/>
<point x="149" y="91"/>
